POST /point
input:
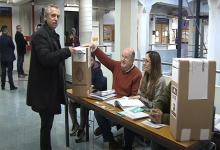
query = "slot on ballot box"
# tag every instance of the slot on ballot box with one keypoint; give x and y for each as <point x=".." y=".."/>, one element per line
<point x="81" y="71"/>
<point x="192" y="98"/>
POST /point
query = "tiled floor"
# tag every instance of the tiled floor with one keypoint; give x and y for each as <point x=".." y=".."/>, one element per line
<point x="20" y="126"/>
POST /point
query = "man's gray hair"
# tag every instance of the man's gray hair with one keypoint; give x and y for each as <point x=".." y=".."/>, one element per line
<point x="47" y="10"/>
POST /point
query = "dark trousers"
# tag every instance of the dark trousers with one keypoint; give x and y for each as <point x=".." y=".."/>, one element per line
<point x="84" y="112"/>
<point x="105" y="125"/>
<point x="46" y="126"/>
<point x="73" y="113"/>
<point x="20" y="61"/>
<point x="9" y="67"/>
<point x="156" y="146"/>
<point x="128" y="138"/>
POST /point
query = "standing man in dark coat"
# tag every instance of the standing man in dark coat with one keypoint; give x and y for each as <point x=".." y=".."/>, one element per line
<point x="7" y="48"/>
<point x="46" y="82"/>
<point x="21" y="50"/>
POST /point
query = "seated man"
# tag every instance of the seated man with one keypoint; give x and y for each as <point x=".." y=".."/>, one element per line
<point x="126" y="81"/>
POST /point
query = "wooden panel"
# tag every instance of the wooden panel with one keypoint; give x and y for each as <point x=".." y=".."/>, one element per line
<point x="6" y="20"/>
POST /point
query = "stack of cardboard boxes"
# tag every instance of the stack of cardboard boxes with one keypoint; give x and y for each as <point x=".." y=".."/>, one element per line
<point x="192" y="98"/>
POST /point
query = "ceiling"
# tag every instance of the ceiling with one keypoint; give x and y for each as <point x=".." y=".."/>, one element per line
<point x="95" y="2"/>
<point x="15" y="1"/>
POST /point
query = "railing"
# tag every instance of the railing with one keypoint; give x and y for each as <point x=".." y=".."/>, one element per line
<point x="169" y="64"/>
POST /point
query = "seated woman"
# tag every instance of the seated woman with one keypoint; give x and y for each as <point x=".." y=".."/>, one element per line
<point x="99" y="83"/>
<point x="152" y="85"/>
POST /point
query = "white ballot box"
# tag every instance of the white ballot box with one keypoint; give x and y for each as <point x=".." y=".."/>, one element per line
<point x="192" y="98"/>
<point x="81" y="72"/>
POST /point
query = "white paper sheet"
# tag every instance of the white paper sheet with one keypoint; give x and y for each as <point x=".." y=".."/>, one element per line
<point x="198" y="79"/>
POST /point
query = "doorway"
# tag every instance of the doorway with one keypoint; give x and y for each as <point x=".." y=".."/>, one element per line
<point x="6" y="18"/>
<point x="71" y="20"/>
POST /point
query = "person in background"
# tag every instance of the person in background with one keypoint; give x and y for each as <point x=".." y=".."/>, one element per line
<point x="21" y="50"/>
<point x="128" y="75"/>
<point x="72" y="39"/>
<point x="152" y="86"/>
<point x="99" y="83"/>
<point x="7" y="48"/>
<point x="46" y="81"/>
<point x="75" y="38"/>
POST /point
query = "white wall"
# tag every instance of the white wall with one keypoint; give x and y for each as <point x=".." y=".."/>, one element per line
<point x="217" y="99"/>
<point x="109" y="18"/>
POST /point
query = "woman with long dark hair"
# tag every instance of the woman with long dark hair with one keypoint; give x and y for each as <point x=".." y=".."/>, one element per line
<point x="152" y="85"/>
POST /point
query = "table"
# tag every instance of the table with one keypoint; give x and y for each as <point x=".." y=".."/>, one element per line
<point x="163" y="134"/>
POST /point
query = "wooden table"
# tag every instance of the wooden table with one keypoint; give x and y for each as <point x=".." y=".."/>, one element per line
<point x="163" y="135"/>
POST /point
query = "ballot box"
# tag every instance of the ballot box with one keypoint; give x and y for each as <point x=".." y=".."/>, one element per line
<point x="192" y="98"/>
<point x="81" y="72"/>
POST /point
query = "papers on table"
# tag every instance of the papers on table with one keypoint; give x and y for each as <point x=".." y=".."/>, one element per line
<point x="131" y="107"/>
<point x="134" y="113"/>
<point x="125" y="102"/>
<point x="153" y="125"/>
<point x="103" y="95"/>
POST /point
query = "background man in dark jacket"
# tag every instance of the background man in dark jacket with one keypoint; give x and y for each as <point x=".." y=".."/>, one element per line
<point x="46" y="82"/>
<point x="7" y="57"/>
<point x="21" y="50"/>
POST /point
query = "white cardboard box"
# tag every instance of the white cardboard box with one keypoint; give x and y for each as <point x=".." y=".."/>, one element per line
<point x="192" y="98"/>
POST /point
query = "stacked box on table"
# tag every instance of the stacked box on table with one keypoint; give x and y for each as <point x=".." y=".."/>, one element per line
<point x="81" y="72"/>
<point x="192" y="98"/>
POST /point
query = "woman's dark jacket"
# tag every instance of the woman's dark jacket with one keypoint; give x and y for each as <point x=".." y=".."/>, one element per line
<point x="46" y="82"/>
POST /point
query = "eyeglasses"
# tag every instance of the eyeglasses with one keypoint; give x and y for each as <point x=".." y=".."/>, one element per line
<point x="125" y="58"/>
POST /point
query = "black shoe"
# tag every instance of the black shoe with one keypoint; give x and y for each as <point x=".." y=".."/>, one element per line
<point x="3" y="86"/>
<point x="81" y="137"/>
<point x="13" y="88"/>
<point x="24" y="74"/>
<point x="21" y="76"/>
<point x="98" y="131"/>
<point x="74" y="130"/>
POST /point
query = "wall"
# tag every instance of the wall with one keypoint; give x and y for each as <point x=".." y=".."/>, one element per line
<point x="217" y="99"/>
